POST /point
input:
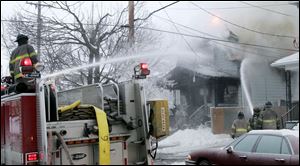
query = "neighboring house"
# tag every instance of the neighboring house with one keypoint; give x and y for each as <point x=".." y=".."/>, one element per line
<point x="263" y="82"/>
<point x="290" y="65"/>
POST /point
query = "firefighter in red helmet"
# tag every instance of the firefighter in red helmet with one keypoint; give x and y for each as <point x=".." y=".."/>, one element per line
<point x="23" y="50"/>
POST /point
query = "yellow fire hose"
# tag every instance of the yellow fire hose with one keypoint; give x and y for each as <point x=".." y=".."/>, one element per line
<point x="104" y="143"/>
<point x="103" y="134"/>
<point x="69" y="107"/>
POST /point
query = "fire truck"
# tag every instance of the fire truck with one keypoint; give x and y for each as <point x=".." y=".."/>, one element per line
<point x="105" y="124"/>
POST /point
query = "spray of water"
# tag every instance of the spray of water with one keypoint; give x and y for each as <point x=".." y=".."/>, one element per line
<point x="104" y="61"/>
<point x="244" y="86"/>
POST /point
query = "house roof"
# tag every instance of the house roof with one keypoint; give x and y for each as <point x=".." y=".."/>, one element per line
<point x="289" y="63"/>
<point x="206" y="70"/>
<point x="204" y="65"/>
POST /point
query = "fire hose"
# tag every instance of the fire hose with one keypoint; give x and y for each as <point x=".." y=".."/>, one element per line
<point x="65" y="147"/>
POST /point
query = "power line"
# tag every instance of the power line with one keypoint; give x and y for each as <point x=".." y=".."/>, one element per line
<point x="17" y="21"/>
<point x="264" y="33"/>
<point x="239" y="49"/>
<point x="237" y="7"/>
<point x="157" y="10"/>
<point x="195" y="36"/>
<point x="213" y="39"/>
<point x="179" y="32"/>
<point x="188" y="44"/>
<point x="240" y="7"/>
<point x="52" y="22"/>
<point x="187" y="27"/>
<point x="273" y="11"/>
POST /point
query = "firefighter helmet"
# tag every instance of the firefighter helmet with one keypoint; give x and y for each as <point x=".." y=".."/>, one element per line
<point x="240" y="115"/>
<point x="256" y="110"/>
<point x="21" y="36"/>
<point x="268" y="104"/>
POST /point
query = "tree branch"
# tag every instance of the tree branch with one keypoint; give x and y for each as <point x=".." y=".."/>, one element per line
<point x="138" y="19"/>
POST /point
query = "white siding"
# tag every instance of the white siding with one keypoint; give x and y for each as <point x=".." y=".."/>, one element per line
<point x="265" y="83"/>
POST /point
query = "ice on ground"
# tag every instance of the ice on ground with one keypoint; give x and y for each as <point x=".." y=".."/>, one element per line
<point x="178" y="163"/>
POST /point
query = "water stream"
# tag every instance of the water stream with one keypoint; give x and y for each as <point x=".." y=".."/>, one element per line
<point x="101" y="62"/>
<point x="244" y="85"/>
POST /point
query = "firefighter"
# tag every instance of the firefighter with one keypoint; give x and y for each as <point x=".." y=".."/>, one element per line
<point x="22" y="51"/>
<point x="269" y="118"/>
<point x="240" y="126"/>
<point x="254" y="123"/>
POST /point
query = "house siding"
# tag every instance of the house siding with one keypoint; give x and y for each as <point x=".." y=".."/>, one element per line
<point x="264" y="83"/>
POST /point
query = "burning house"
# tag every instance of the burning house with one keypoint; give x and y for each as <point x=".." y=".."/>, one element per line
<point x="203" y="81"/>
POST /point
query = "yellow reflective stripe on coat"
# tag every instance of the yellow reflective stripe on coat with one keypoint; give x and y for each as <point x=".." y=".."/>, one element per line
<point x="104" y="143"/>
<point x="32" y="54"/>
<point x="249" y="128"/>
<point x="19" y="75"/>
<point x="19" y="57"/>
<point x="241" y="130"/>
<point x="269" y="121"/>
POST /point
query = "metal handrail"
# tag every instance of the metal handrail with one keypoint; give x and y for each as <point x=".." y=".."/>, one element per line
<point x="41" y="121"/>
<point x="118" y="98"/>
<point x="286" y="114"/>
<point x="101" y="95"/>
<point x="48" y="95"/>
<point x="197" y="110"/>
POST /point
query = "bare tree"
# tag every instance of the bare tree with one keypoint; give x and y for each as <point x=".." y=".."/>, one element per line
<point x="65" y="45"/>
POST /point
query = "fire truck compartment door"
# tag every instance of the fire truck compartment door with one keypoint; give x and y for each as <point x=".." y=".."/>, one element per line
<point x="159" y="117"/>
<point x="104" y="143"/>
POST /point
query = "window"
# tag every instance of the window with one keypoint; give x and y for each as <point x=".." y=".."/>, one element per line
<point x="246" y="144"/>
<point x="269" y="144"/>
<point x="285" y="148"/>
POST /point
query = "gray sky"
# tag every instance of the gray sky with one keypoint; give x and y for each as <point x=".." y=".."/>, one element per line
<point x="191" y="16"/>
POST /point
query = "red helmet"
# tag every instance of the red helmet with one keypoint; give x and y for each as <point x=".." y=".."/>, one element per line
<point x="2" y="88"/>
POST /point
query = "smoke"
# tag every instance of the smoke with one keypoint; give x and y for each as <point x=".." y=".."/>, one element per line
<point x="255" y="61"/>
<point x="267" y="22"/>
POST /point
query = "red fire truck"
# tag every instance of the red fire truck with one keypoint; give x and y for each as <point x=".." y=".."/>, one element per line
<point x="103" y="124"/>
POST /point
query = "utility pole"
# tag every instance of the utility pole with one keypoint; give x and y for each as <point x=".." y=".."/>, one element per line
<point x="131" y="22"/>
<point x="39" y="26"/>
<point x="39" y="20"/>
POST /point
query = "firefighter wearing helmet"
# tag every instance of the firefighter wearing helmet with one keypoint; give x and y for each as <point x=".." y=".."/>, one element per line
<point x="254" y="121"/>
<point x="269" y="118"/>
<point x="240" y="126"/>
<point x="23" y="50"/>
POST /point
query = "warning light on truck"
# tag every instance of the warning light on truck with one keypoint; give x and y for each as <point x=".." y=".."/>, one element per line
<point x="141" y="71"/>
